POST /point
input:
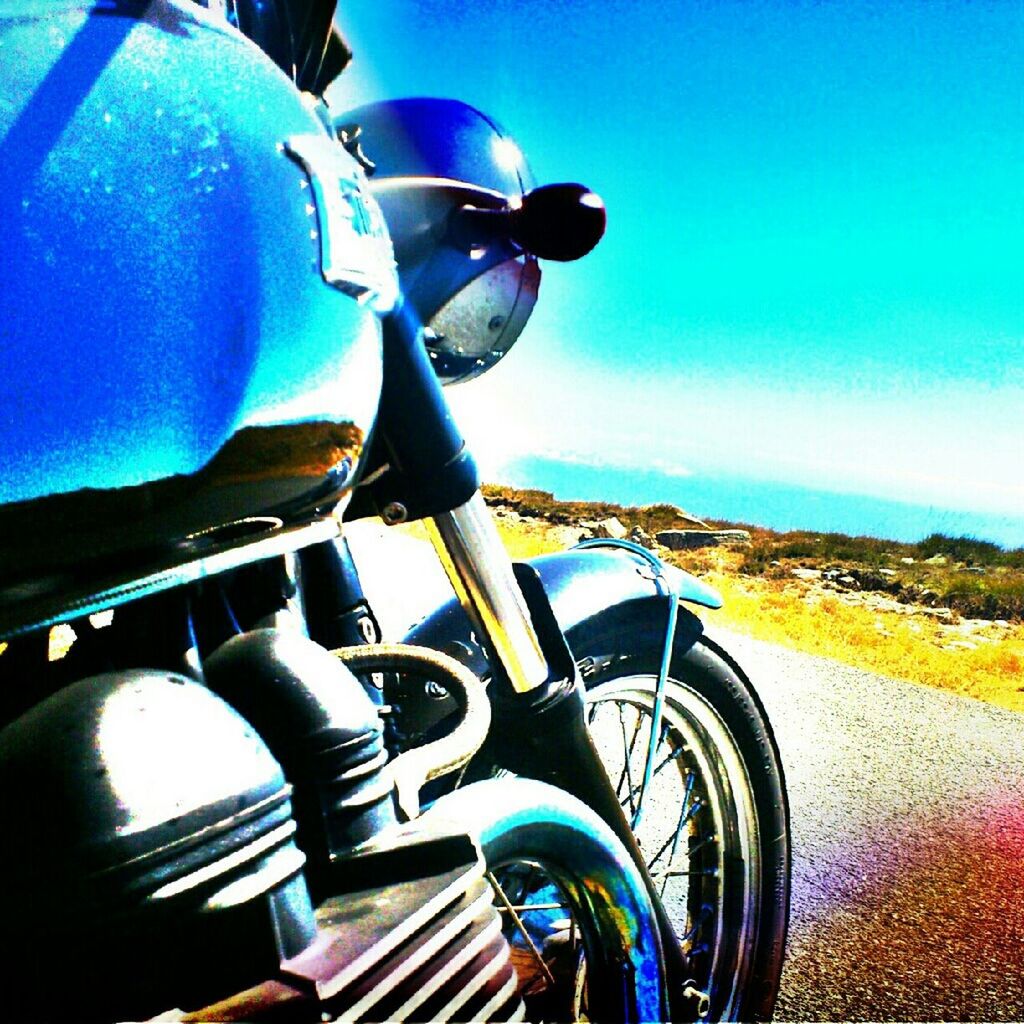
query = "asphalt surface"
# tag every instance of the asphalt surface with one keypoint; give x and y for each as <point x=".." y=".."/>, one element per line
<point x="907" y="808"/>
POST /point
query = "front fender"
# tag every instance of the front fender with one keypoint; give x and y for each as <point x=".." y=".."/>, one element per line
<point x="580" y="584"/>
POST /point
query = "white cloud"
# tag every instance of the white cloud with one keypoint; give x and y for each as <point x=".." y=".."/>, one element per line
<point x="954" y="446"/>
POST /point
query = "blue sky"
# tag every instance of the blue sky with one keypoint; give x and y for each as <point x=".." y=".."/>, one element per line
<point x="814" y="266"/>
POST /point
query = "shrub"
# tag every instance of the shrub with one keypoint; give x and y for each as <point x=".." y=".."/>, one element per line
<point x="960" y="549"/>
<point x="987" y="598"/>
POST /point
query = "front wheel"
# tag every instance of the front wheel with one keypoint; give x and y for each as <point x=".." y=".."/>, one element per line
<point x="575" y="908"/>
<point x="713" y="821"/>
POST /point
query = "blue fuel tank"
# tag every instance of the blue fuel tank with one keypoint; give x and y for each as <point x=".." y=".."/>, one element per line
<point x="193" y="278"/>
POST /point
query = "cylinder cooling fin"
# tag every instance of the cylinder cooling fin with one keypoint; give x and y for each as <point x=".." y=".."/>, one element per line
<point x="411" y="934"/>
<point x="150" y="833"/>
<point x="150" y="830"/>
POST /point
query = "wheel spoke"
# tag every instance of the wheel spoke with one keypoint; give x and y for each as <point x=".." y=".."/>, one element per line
<point x="685" y="813"/>
<point x="713" y="912"/>
<point x="652" y="750"/>
<point x="654" y="860"/>
<point x="674" y="756"/>
<point x="627" y="775"/>
<point x="703" y="843"/>
<point x="687" y="873"/>
<point x="500" y="893"/>
<point x="702" y="916"/>
<point x="527" y="908"/>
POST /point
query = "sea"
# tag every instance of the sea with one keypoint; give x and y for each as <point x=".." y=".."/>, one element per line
<point x="778" y="506"/>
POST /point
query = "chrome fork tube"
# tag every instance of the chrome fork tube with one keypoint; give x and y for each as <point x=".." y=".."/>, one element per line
<point x="480" y="570"/>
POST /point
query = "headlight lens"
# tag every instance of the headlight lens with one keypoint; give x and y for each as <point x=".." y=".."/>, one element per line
<point x="480" y="323"/>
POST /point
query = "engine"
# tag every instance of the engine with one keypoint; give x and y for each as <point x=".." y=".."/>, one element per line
<point x="232" y="849"/>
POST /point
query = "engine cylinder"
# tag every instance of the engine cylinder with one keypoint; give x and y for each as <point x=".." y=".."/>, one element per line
<point x="150" y="834"/>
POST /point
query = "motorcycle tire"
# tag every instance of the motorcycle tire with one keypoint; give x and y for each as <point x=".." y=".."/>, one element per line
<point x="715" y="828"/>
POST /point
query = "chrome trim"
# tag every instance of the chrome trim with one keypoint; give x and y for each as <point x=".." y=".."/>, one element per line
<point x="424" y="181"/>
<point x="356" y="254"/>
<point x="480" y="571"/>
<point x="63" y="607"/>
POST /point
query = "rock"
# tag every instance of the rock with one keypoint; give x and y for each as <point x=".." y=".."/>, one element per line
<point x="842" y="578"/>
<point x="733" y="536"/>
<point x="937" y="560"/>
<point x="564" y="536"/>
<point x="638" y="535"/>
<point x="871" y="579"/>
<point x="686" y="540"/>
<point x="678" y="513"/>
<point x="945" y="614"/>
<point x="610" y="527"/>
<point x="606" y="528"/>
<point x="806" y="574"/>
<point x="966" y="627"/>
<point x="908" y="561"/>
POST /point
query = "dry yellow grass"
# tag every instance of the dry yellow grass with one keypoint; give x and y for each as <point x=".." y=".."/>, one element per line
<point x="903" y="646"/>
<point x="527" y="540"/>
<point x="522" y="539"/>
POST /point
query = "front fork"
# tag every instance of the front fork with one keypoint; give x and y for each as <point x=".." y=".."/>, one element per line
<point x="539" y="726"/>
<point x="482" y="576"/>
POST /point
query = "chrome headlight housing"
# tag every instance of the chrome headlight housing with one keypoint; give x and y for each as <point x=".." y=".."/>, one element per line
<point x="471" y="285"/>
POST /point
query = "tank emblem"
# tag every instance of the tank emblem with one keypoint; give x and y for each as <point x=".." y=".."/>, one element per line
<point x="356" y="255"/>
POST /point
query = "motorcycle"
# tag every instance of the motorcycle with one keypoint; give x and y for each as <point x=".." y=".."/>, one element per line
<point x="228" y="316"/>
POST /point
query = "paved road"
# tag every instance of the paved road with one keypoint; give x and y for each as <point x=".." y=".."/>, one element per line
<point x="908" y="836"/>
<point x="908" y="830"/>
